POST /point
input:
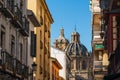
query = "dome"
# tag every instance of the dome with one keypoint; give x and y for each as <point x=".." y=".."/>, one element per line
<point x="77" y="49"/>
<point x="61" y="38"/>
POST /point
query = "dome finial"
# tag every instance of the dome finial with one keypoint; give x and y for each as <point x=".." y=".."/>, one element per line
<point x="75" y="28"/>
<point x="62" y="32"/>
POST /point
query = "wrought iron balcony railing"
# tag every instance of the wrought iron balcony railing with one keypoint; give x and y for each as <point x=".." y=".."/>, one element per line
<point x="98" y="65"/>
<point x="7" y="61"/>
<point x="17" y="67"/>
<point x="25" y="70"/>
<point x="10" y="10"/>
<point x="7" y="7"/>
<point x="12" y="65"/>
<point x="25" y="28"/>
<point x="18" y="15"/>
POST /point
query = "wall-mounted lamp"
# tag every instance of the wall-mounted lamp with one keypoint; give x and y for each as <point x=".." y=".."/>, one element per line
<point x="102" y="34"/>
<point x="34" y="66"/>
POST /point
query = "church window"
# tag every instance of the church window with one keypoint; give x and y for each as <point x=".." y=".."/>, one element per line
<point x="73" y="38"/>
<point x="72" y="65"/>
<point x="61" y="41"/>
<point x="84" y="65"/>
<point x="77" y="64"/>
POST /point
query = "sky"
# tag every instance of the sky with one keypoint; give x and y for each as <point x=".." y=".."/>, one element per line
<point x="68" y="14"/>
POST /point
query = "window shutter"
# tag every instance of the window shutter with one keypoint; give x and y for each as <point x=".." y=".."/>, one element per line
<point x="33" y="44"/>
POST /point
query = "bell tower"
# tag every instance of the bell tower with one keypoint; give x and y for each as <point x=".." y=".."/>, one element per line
<point x="75" y="37"/>
<point x="61" y="42"/>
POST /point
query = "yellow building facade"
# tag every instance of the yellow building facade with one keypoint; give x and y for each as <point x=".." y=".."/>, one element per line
<point x="40" y="8"/>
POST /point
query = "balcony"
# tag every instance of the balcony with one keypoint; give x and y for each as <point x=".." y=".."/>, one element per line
<point x="25" y="71"/>
<point x="17" y="19"/>
<point x="11" y="65"/>
<point x="7" y="7"/>
<point x="25" y="29"/>
<point x="6" y="61"/>
<point x="18" y="67"/>
<point x="98" y="66"/>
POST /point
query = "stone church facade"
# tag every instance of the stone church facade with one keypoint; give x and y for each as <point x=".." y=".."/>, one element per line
<point x="80" y="58"/>
<point x="61" y="42"/>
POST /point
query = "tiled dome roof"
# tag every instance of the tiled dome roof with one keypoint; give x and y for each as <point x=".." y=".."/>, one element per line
<point x="76" y="48"/>
<point x="61" y="39"/>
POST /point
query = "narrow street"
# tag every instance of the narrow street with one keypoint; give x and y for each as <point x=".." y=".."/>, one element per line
<point x="59" y="40"/>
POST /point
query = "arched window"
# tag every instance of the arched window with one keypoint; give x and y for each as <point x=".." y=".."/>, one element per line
<point x="84" y="66"/>
<point x="72" y="64"/>
<point x="77" y="63"/>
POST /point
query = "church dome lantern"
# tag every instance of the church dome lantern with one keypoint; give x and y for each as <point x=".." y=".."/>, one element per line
<point x="75" y="47"/>
<point x="61" y="42"/>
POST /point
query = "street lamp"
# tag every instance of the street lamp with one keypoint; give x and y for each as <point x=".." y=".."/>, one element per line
<point x="102" y="34"/>
<point x="34" y="66"/>
<point x="33" y="69"/>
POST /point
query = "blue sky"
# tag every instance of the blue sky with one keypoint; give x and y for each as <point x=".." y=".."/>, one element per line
<point x="67" y="14"/>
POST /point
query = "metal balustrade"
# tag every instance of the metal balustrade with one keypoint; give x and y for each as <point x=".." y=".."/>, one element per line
<point x="6" y="61"/>
<point x="7" y="7"/>
<point x="12" y="65"/>
<point x="18" y="67"/>
<point x="98" y="65"/>
<point x="15" y="14"/>
<point x="18" y="14"/>
<point x="25" y="70"/>
<point x="25" y="28"/>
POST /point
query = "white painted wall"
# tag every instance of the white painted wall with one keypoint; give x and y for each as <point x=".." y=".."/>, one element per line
<point x="61" y="57"/>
